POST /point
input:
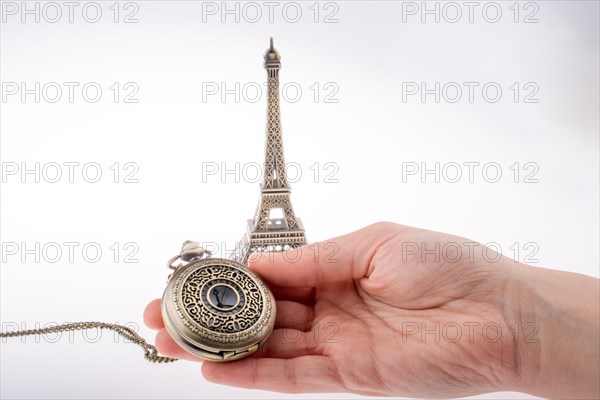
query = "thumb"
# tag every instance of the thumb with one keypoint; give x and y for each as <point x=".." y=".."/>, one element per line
<point x="338" y="259"/>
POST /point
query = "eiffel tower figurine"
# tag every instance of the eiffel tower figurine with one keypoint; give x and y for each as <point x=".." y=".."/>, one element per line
<point x="268" y="232"/>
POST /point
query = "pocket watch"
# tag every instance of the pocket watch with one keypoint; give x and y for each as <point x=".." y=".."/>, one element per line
<point x="214" y="308"/>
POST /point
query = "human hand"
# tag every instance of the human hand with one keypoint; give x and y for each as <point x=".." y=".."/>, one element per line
<point x="392" y="310"/>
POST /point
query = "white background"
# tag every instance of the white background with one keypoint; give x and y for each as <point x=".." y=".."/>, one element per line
<point x="171" y="52"/>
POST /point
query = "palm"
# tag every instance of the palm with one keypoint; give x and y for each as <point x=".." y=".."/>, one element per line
<point x="372" y="327"/>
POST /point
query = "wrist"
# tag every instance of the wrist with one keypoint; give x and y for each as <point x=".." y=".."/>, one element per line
<point x="556" y="343"/>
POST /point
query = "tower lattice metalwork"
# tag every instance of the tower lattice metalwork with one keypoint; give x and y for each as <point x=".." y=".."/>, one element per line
<point x="267" y="232"/>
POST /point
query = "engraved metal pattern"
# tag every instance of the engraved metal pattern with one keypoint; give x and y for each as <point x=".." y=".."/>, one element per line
<point x="214" y="308"/>
<point x="265" y="233"/>
<point x="198" y="308"/>
<point x="248" y="319"/>
<point x="267" y="203"/>
<point x="275" y="173"/>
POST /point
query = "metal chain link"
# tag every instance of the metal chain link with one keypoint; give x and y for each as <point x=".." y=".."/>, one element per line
<point x="150" y="352"/>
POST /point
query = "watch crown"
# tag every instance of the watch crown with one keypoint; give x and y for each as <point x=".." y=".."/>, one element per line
<point x="191" y="251"/>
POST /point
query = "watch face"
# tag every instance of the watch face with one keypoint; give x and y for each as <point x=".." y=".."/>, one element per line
<point x="223" y="297"/>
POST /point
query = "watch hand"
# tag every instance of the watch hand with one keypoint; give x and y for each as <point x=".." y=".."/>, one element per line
<point x="225" y="296"/>
<point x="216" y="294"/>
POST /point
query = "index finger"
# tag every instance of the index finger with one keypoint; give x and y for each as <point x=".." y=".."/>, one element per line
<point x="338" y="259"/>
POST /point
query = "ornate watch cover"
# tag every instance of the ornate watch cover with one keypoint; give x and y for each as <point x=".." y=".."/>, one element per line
<point x="218" y="309"/>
